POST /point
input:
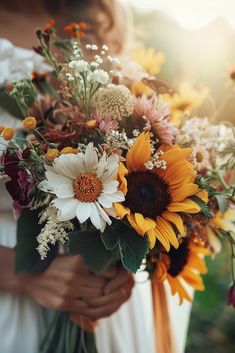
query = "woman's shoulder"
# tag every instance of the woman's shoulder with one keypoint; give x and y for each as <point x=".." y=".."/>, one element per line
<point x="17" y="63"/>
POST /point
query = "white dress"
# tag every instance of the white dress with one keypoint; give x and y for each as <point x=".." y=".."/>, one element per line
<point x="22" y="321"/>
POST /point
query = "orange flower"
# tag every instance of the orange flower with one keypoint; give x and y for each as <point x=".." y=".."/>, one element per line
<point x="76" y="30"/>
<point x="8" y="133"/>
<point x="51" y="154"/>
<point x="2" y="128"/>
<point x="91" y="123"/>
<point x="67" y="150"/>
<point x="183" y="266"/>
<point x="30" y="122"/>
<point x="49" y="26"/>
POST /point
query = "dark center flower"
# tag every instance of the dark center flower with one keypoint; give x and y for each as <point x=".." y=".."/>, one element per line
<point x="179" y="258"/>
<point x="147" y="194"/>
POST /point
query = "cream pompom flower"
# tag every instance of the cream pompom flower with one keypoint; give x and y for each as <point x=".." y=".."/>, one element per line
<point x="115" y="101"/>
<point x="85" y="186"/>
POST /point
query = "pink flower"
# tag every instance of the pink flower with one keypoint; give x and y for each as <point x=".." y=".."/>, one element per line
<point x="231" y="296"/>
<point x="155" y="113"/>
<point x="106" y="124"/>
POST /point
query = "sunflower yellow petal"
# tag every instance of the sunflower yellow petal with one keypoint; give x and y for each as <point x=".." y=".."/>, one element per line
<point x="187" y="206"/>
<point x="167" y="231"/>
<point x="203" y="195"/>
<point x="155" y="233"/>
<point x="139" y="153"/>
<point x="193" y="279"/>
<point x="144" y="223"/>
<point x="184" y="191"/>
<point x="176" y="220"/>
<point x="132" y="221"/>
<point x="121" y="211"/>
<point x="176" y="154"/>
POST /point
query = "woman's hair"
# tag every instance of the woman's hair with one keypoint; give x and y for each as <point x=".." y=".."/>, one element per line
<point x="106" y="19"/>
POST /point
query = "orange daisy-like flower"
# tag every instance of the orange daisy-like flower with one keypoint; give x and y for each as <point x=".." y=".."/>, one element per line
<point x="182" y="267"/>
<point x="49" y="26"/>
<point x="76" y="30"/>
<point x="155" y="199"/>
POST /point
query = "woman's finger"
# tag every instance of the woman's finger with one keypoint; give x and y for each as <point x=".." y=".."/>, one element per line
<point x="118" y="281"/>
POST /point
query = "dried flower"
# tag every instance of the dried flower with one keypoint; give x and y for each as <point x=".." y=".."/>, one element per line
<point x="51" y="154"/>
<point x="67" y="150"/>
<point x="8" y="133"/>
<point x="29" y="122"/>
<point x="115" y="101"/>
<point x="52" y="232"/>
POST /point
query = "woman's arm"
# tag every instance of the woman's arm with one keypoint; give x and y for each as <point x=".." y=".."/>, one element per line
<point x="67" y="284"/>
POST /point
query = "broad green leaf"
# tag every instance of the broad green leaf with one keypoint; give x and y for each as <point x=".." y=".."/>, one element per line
<point x="132" y="246"/>
<point x="89" y="245"/>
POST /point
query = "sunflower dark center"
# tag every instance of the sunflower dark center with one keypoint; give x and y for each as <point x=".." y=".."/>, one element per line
<point x="179" y="258"/>
<point x="147" y="194"/>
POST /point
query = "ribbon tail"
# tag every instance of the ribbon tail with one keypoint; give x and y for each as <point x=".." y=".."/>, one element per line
<point x="82" y="321"/>
<point x="163" y="330"/>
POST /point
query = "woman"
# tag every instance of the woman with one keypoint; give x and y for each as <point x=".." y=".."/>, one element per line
<point x="22" y="297"/>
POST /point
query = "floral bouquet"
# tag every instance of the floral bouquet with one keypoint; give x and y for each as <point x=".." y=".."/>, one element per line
<point x="101" y="172"/>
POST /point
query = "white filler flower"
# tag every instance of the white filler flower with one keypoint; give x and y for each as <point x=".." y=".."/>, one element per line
<point x="84" y="185"/>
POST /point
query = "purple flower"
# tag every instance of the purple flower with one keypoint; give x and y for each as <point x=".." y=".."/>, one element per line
<point x="231" y="295"/>
<point x="19" y="186"/>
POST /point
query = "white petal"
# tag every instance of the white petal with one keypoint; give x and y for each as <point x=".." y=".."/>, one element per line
<point x="110" y="186"/>
<point x="102" y="165"/>
<point x="55" y="180"/>
<point x="107" y="201"/>
<point x="91" y="158"/>
<point x="64" y="190"/>
<point x="95" y="217"/>
<point x="103" y="213"/>
<point x="69" y="165"/>
<point x="83" y="211"/>
<point x="113" y="158"/>
<point x="111" y="173"/>
<point x="67" y="208"/>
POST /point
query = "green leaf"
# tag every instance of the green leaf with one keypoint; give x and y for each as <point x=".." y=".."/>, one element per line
<point x="132" y="246"/>
<point x="89" y="245"/>
<point x="204" y="208"/>
<point x="222" y="202"/>
<point x="27" y="257"/>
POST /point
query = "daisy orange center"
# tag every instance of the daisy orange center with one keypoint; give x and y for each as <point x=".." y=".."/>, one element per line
<point x="87" y="187"/>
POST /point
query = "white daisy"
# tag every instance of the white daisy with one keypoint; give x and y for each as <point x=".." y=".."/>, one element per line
<point x="84" y="186"/>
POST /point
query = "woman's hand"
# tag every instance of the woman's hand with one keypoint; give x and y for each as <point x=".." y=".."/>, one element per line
<point x="63" y="285"/>
<point x="116" y="292"/>
<point x="68" y="285"/>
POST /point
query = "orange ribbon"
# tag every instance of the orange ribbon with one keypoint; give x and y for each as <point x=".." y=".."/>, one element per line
<point x="82" y="321"/>
<point x="164" y="334"/>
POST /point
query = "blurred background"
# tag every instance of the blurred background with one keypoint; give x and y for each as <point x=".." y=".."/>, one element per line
<point x="194" y="52"/>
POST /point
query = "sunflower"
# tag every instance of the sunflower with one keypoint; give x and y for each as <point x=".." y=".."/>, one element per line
<point x="219" y="221"/>
<point x="151" y="62"/>
<point x="185" y="100"/>
<point x="183" y="266"/>
<point x="155" y="198"/>
<point x="84" y="185"/>
<point x="149" y="59"/>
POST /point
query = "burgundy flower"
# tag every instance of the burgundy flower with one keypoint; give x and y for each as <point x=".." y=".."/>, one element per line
<point x="231" y="296"/>
<point x="19" y="186"/>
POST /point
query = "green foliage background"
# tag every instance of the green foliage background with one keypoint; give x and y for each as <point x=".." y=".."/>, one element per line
<point x="212" y="321"/>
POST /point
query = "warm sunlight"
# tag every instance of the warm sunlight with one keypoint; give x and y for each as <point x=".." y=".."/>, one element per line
<point x="190" y="13"/>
